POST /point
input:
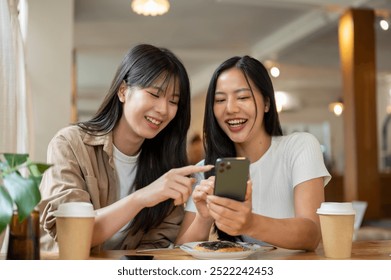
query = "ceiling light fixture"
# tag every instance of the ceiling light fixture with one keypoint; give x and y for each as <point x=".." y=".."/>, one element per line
<point x="383" y="19"/>
<point x="384" y="24"/>
<point x="336" y="108"/>
<point x="150" y="7"/>
<point x="275" y="71"/>
<point x="273" y="68"/>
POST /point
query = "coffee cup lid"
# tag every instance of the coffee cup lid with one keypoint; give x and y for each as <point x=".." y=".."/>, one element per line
<point x="75" y="209"/>
<point x="336" y="208"/>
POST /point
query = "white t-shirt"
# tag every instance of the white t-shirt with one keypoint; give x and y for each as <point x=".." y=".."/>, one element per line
<point x="126" y="169"/>
<point x="289" y="161"/>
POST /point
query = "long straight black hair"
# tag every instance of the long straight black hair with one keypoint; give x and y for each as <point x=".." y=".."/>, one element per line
<point x="141" y="66"/>
<point x="217" y="143"/>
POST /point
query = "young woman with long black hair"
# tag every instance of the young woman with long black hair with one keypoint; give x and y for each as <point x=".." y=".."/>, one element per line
<point x="287" y="173"/>
<point x="129" y="160"/>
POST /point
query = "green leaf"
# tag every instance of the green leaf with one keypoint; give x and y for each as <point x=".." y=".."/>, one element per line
<point x="37" y="169"/>
<point x="6" y="208"/>
<point x="24" y="192"/>
<point x="19" y="185"/>
<point x="14" y="160"/>
<point x="3" y="168"/>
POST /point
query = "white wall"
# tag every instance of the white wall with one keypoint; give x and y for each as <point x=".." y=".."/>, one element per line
<point x="319" y="116"/>
<point x="383" y="102"/>
<point x="49" y="69"/>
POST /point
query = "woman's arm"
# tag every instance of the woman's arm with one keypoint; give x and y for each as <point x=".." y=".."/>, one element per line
<point x="65" y="182"/>
<point x="196" y="225"/>
<point x="301" y="232"/>
<point x="112" y="218"/>
<point x="194" y="228"/>
<point x="174" y="184"/>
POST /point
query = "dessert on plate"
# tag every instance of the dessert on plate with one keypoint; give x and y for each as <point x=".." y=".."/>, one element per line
<point x="220" y="246"/>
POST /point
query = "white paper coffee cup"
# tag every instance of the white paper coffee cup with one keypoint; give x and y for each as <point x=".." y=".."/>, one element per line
<point x="336" y="208"/>
<point x="75" y="225"/>
<point x="337" y="226"/>
<point x="75" y="209"/>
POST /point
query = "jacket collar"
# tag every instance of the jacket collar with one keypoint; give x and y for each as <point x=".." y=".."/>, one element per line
<point x="105" y="140"/>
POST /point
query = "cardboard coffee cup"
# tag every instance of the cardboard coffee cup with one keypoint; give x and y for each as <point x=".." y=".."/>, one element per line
<point x="337" y="226"/>
<point x="75" y="224"/>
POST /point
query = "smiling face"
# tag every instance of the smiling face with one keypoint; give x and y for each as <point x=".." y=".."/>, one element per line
<point x="147" y="111"/>
<point x="239" y="107"/>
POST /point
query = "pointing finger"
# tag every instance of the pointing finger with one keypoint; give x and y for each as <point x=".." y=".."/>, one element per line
<point x="188" y="170"/>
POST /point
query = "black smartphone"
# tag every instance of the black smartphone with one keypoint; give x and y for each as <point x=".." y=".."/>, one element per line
<point x="137" y="257"/>
<point x="231" y="177"/>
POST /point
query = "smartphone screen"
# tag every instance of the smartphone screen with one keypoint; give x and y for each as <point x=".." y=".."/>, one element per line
<point x="137" y="257"/>
<point x="231" y="177"/>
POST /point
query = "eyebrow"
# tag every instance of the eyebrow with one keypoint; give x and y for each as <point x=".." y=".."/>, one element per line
<point x="235" y="91"/>
<point x="160" y="89"/>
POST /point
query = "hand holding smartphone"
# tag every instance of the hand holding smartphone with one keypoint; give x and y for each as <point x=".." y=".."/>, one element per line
<point x="231" y="175"/>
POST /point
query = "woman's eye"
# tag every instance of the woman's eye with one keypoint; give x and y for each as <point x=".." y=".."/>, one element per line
<point x="220" y="100"/>
<point x="243" y="97"/>
<point x="174" y="100"/>
<point x="153" y="94"/>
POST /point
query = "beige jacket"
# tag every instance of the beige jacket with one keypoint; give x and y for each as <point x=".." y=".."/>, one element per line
<point x="83" y="170"/>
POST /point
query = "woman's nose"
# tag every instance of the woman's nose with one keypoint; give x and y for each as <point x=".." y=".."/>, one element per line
<point x="232" y="105"/>
<point x="162" y="106"/>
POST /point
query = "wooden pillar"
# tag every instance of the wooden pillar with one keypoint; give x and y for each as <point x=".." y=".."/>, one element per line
<point x="358" y="58"/>
<point x="74" y="110"/>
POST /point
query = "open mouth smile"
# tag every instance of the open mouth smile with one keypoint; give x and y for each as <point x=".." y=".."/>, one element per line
<point x="153" y="121"/>
<point x="236" y="122"/>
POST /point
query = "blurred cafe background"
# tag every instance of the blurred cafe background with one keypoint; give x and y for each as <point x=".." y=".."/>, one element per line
<point x="330" y="62"/>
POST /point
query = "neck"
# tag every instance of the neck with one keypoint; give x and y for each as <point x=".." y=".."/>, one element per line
<point x="254" y="149"/>
<point x="126" y="142"/>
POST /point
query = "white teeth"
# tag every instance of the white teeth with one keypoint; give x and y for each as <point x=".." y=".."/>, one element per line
<point x="156" y="122"/>
<point x="236" y="122"/>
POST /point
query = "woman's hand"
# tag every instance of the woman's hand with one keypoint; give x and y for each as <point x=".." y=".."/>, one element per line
<point x="232" y="216"/>
<point x="200" y="195"/>
<point x="175" y="184"/>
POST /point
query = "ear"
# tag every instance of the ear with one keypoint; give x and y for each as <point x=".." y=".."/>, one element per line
<point x="122" y="92"/>
<point x="267" y="105"/>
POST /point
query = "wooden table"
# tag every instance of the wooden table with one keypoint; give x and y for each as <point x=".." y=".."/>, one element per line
<point x="361" y="250"/>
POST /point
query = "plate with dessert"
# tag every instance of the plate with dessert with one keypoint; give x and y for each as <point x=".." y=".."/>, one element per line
<point x="207" y="250"/>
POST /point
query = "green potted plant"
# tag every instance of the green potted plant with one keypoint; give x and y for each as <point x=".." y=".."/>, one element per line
<point x="19" y="190"/>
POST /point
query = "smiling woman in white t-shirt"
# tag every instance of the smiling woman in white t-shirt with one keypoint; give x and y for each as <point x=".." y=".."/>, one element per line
<point x="287" y="173"/>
